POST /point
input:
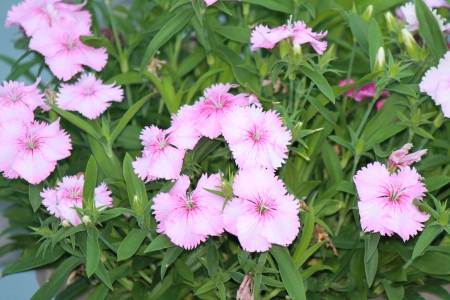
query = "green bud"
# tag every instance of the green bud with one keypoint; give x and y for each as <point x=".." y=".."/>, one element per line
<point x="391" y="22"/>
<point x="360" y="146"/>
<point x="379" y="60"/>
<point x="210" y="59"/>
<point x="297" y="51"/>
<point x="137" y="206"/>
<point x="367" y="14"/>
<point x="245" y="9"/>
<point x="264" y="68"/>
<point x="443" y="218"/>
<point x="296" y="130"/>
<point x="87" y="221"/>
<point x="66" y="224"/>
<point x="410" y="43"/>
<point x="328" y="55"/>
<point x="285" y="47"/>
<point x="439" y="120"/>
<point x="415" y="119"/>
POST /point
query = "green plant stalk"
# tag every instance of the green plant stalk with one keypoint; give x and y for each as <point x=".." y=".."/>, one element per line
<point x="349" y="75"/>
<point x="366" y="116"/>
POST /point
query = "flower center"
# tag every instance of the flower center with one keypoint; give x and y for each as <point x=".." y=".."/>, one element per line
<point x="188" y="201"/>
<point x="162" y="143"/>
<point x="14" y="96"/>
<point x="394" y="192"/>
<point x="74" y="194"/>
<point x="71" y="43"/>
<point x="257" y="134"/>
<point x="262" y="208"/>
<point x="30" y="142"/>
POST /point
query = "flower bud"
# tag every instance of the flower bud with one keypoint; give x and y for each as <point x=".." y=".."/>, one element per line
<point x="138" y="206"/>
<point x="367" y="14"/>
<point x="444" y="218"/>
<point x="227" y="187"/>
<point x="86" y="221"/>
<point x="379" y="60"/>
<point x="360" y="146"/>
<point x="210" y="59"/>
<point x="285" y="47"/>
<point x="401" y="158"/>
<point x="245" y="9"/>
<point x="264" y="68"/>
<point x="66" y="224"/>
<point x="296" y="130"/>
<point x="410" y="43"/>
<point x="439" y="120"/>
<point x="391" y="22"/>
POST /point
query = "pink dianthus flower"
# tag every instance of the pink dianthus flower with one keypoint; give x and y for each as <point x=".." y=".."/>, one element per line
<point x="386" y="200"/>
<point x="89" y="96"/>
<point x="17" y="101"/>
<point x="401" y="158"/>
<point x="63" y="50"/>
<point x="365" y="92"/>
<point x="262" y="213"/>
<point x="436" y="3"/>
<point x="412" y="23"/>
<point x="210" y="2"/>
<point x="163" y="152"/>
<point x="256" y="138"/>
<point x="62" y="200"/>
<point x="436" y="83"/>
<point x="210" y="109"/>
<point x="30" y="151"/>
<point x="189" y="218"/>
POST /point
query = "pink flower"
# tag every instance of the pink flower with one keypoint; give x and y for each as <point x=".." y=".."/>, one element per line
<point x="262" y="213"/>
<point x="210" y="2"/>
<point x="189" y="218"/>
<point x="245" y="291"/>
<point x="210" y="109"/>
<point x="256" y="138"/>
<point x="62" y="200"/>
<point x="17" y="101"/>
<point x="303" y="35"/>
<point x="163" y="152"/>
<point x="412" y="23"/>
<point x="436" y="84"/>
<point x="30" y="151"/>
<point x="89" y="96"/>
<point x="365" y="92"/>
<point x="260" y="38"/>
<point x="385" y="204"/>
<point x="183" y="127"/>
<point x="63" y="50"/>
<point x="436" y="3"/>
<point x="401" y="158"/>
<point x="379" y="104"/>
<point x="34" y="15"/>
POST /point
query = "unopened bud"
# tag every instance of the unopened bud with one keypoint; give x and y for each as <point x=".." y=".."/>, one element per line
<point x="245" y="9"/>
<point x="360" y="146"/>
<point x="391" y="22"/>
<point x="401" y="158"/>
<point x="264" y="69"/>
<point x="227" y="189"/>
<point x="379" y="60"/>
<point x="66" y="224"/>
<point x="410" y="43"/>
<point x="367" y="14"/>
<point x="444" y="218"/>
<point x="86" y="220"/>
<point x="296" y="130"/>
<point x="210" y="59"/>
<point x="439" y="120"/>
<point x="137" y="206"/>
<point x="285" y="47"/>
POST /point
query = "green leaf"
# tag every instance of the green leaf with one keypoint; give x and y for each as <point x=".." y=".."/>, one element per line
<point x="56" y="281"/>
<point x="433" y="263"/>
<point x="127" y="117"/>
<point x="311" y="270"/>
<point x="209" y="285"/>
<point x="124" y="78"/>
<point x="90" y="182"/>
<point x="102" y="274"/>
<point x="371" y="256"/>
<point x="169" y="257"/>
<point x="164" y="34"/>
<point x="63" y="233"/>
<point x="426" y="237"/>
<point x="375" y="41"/>
<point x="307" y="233"/>
<point x="80" y="123"/>
<point x="98" y="42"/>
<point x="436" y="182"/>
<point x="25" y="264"/>
<point x="289" y="273"/>
<point x="429" y="30"/>
<point x="332" y="163"/>
<point x="239" y="34"/>
<point x="131" y="243"/>
<point x="271" y="5"/>
<point x="137" y="194"/>
<point x="320" y="81"/>
<point x="162" y="241"/>
<point x="199" y="82"/>
<point x="35" y="195"/>
<point x="360" y="30"/>
<point x="393" y="293"/>
<point x="305" y="255"/>
<point x="139" y="291"/>
<point x="92" y="252"/>
<point x="326" y="113"/>
<point x="99" y="293"/>
<point x="404" y="89"/>
<point x="212" y="260"/>
<point x="184" y="270"/>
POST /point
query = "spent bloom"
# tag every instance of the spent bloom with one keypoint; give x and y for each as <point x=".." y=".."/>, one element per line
<point x="408" y="11"/>
<point x="264" y="37"/>
<point x="367" y="91"/>
<point x="89" y="96"/>
<point x="262" y="213"/>
<point x="245" y="291"/>
<point x="31" y="150"/>
<point x="62" y="200"/>
<point x="34" y="15"/>
<point x="216" y="101"/>
<point x="17" y="101"/>
<point x="436" y="84"/>
<point x="164" y="151"/>
<point x="188" y="218"/>
<point x="63" y="50"/>
<point x="256" y="138"/>
<point x="386" y="200"/>
<point x="401" y="158"/>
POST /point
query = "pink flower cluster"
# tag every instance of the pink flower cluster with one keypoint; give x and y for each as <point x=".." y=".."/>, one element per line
<point x="62" y="200"/>
<point x="210" y="2"/>
<point x="368" y="91"/>
<point x="55" y="28"/>
<point x="436" y="84"/>
<point x="29" y="149"/>
<point x="264" y="37"/>
<point x="386" y="199"/>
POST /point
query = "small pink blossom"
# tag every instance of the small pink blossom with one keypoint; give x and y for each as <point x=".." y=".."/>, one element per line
<point x="63" y="50"/>
<point x="210" y="109"/>
<point x="436" y="3"/>
<point x="30" y="151"/>
<point x="412" y="23"/>
<point x="385" y="204"/>
<point x="262" y="213"/>
<point x="17" y="101"/>
<point x="367" y="91"/>
<point x="89" y="96"/>
<point x="256" y="138"/>
<point x="401" y="158"/>
<point x="163" y="152"/>
<point x="436" y="84"/>
<point x="34" y="15"/>
<point x="62" y="200"/>
<point x="210" y="2"/>
<point x="189" y="218"/>
<point x="303" y="35"/>
<point x="379" y="104"/>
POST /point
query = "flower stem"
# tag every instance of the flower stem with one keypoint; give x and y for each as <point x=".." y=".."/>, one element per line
<point x="366" y="115"/>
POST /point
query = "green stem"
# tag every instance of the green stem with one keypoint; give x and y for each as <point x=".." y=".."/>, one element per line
<point x="349" y="75"/>
<point x="123" y="61"/>
<point x="366" y="115"/>
<point x="291" y="93"/>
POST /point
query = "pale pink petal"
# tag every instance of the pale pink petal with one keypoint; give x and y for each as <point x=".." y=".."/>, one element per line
<point x="249" y="226"/>
<point x="50" y="201"/>
<point x="210" y="2"/>
<point x="180" y="230"/>
<point x="232" y="211"/>
<point x="69" y="213"/>
<point x="260" y="39"/>
<point x="102" y="196"/>
<point x="32" y="166"/>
